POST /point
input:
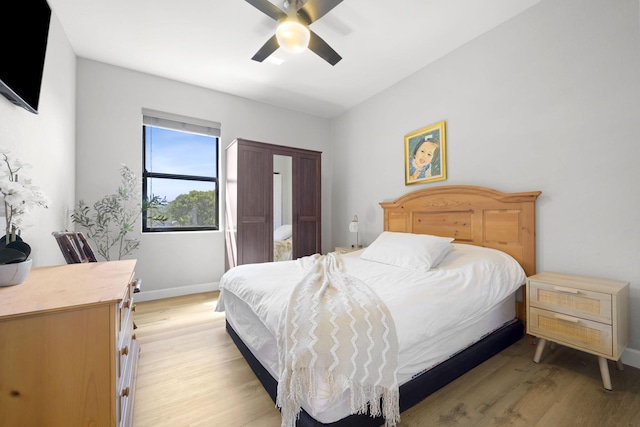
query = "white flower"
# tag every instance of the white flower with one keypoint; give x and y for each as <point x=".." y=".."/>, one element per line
<point x="18" y="194"/>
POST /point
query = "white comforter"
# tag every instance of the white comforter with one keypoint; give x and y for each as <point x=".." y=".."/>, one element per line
<point x="463" y="288"/>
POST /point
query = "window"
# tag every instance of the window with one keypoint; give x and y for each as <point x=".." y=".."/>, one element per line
<point x="180" y="174"/>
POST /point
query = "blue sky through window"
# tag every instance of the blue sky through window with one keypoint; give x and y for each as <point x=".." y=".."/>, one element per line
<point x="181" y="153"/>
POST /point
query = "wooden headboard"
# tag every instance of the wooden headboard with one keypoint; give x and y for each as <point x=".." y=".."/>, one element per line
<point x="473" y="215"/>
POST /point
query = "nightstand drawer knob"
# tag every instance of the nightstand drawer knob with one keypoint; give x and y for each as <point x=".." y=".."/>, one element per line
<point x="567" y="318"/>
<point x="567" y="290"/>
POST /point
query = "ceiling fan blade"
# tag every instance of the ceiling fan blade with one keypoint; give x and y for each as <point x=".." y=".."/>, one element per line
<point x="316" y="9"/>
<point x="268" y="8"/>
<point x="323" y="50"/>
<point x="267" y="49"/>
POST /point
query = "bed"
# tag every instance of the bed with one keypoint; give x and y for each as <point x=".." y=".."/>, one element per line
<point x="480" y="224"/>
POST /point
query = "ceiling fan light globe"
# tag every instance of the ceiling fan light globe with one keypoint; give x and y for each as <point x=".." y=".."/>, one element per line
<point x="292" y="36"/>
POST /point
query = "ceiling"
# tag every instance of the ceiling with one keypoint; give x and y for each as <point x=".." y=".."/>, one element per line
<point x="209" y="43"/>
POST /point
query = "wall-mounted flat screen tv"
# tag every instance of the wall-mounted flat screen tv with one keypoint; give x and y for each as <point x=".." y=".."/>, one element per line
<point x="23" y="44"/>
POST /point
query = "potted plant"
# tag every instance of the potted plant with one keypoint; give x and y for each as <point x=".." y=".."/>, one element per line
<point x="110" y="220"/>
<point x="19" y="197"/>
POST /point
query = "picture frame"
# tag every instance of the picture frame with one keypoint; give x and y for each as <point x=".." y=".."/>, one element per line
<point x="425" y="155"/>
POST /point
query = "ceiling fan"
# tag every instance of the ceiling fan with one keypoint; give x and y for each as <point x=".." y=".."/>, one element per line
<point x="293" y="33"/>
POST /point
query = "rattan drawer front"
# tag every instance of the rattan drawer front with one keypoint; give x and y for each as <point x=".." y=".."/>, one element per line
<point x="571" y="301"/>
<point x="591" y="336"/>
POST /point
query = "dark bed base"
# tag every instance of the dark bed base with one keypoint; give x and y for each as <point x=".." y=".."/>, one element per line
<point x="411" y="392"/>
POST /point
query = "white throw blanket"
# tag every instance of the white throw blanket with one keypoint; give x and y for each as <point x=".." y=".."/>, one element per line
<point x="336" y="327"/>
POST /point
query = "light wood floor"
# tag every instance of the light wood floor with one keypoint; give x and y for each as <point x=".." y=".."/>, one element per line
<point x="191" y="374"/>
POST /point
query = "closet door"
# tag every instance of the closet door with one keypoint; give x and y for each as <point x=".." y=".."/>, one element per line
<point x="255" y="203"/>
<point x="306" y="204"/>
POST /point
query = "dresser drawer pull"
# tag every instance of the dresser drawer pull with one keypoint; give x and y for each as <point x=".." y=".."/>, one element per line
<point x="127" y="303"/>
<point x="567" y="318"/>
<point x="125" y="392"/>
<point x="567" y="290"/>
<point x="136" y="284"/>
<point x="124" y="351"/>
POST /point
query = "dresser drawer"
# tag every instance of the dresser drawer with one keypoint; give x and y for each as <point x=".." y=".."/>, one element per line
<point x="123" y="310"/>
<point x="594" y="337"/>
<point x="571" y="301"/>
<point x="124" y="351"/>
<point x="126" y="388"/>
<point x="123" y="314"/>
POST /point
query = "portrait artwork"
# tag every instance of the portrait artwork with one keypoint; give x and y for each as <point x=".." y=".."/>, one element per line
<point x="424" y="155"/>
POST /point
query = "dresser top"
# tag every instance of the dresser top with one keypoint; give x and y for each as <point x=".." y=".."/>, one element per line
<point x="59" y="287"/>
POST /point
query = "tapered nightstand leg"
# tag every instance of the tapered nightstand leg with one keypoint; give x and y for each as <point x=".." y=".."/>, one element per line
<point x="539" y="349"/>
<point x="604" y="372"/>
<point x="619" y="365"/>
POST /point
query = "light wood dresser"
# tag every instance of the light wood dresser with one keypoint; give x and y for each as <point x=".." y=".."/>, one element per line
<point x="584" y="313"/>
<point x="68" y="355"/>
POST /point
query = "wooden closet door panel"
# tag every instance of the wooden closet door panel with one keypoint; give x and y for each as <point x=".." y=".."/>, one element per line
<point x="255" y="204"/>
<point x="307" y="204"/>
<point x="251" y="246"/>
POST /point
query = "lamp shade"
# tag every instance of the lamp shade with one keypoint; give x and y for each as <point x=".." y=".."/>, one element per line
<point x="292" y="36"/>
<point x="353" y="227"/>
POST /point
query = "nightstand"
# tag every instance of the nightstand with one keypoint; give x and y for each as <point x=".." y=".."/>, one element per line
<point x="347" y="249"/>
<point x="585" y="313"/>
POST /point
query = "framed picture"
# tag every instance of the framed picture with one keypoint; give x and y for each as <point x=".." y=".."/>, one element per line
<point x="425" y="155"/>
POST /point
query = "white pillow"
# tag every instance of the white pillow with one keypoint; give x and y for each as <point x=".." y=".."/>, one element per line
<point x="419" y="252"/>
<point x="283" y="232"/>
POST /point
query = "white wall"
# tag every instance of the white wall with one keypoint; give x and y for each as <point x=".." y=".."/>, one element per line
<point x="47" y="142"/>
<point x="548" y="101"/>
<point x="109" y="132"/>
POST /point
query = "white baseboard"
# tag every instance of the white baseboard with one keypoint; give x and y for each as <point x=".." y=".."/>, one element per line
<point x="631" y="357"/>
<point x="176" y="292"/>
